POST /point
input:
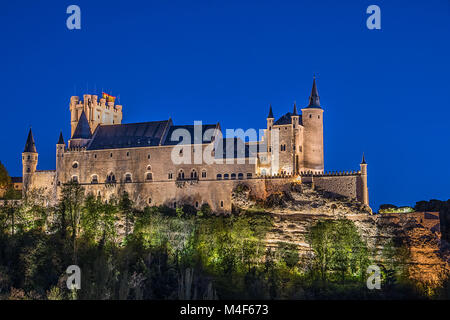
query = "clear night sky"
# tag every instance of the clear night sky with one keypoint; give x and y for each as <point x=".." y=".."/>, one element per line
<point x="385" y="92"/>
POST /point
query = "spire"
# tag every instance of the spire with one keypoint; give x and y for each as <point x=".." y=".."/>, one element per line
<point x="294" y="113"/>
<point x="363" y="159"/>
<point x="29" y="145"/>
<point x="270" y="113"/>
<point x="61" y="138"/>
<point x="270" y="116"/>
<point x="82" y="131"/>
<point x="314" y="100"/>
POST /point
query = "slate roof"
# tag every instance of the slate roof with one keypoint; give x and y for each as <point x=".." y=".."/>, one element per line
<point x="286" y="119"/>
<point x="314" y="99"/>
<point x="270" y="113"/>
<point x="61" y="138"/>
<point x="29" y="145"/>
<point x="233" y="148"/>
<point x="189" y="129"/>
<point x="129" y="135"/>
<point x="83" y="130"/>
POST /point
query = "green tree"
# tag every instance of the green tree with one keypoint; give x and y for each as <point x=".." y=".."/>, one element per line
<point x="5" y="179"/>
<point x="339" y="250"/>
<point x="72" y="197"/>
<point x="126" y="207"/>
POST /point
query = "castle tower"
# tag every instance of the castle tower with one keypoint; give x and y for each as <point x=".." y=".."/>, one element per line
<point x="312" y="118"/>
<point x="60" y="146"/>
<point x="295" y="139"/>
<point x="29" y="162"/>
<point x="270" y="120"/>
<point x="365" y="188"/>
<point x="103" y="111"/>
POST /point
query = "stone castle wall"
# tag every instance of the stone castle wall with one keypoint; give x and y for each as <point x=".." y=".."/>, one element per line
<point x="347" y="186"/>
<point x="43" y="184"/>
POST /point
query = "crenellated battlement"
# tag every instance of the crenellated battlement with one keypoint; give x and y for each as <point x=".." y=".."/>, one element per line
<point x="98" y="111"/>
<point x="330" y="173"/>
<point x="92" y="99"/>
<point x="75" y="149"/>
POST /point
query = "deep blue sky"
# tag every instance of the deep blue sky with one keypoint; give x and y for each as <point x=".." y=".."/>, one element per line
<point x="385" y="92"/>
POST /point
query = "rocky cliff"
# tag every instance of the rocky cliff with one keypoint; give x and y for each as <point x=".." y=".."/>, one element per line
<point x="295" y="207"/>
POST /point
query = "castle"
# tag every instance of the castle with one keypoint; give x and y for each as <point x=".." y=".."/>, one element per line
<point x="160" y="163"/>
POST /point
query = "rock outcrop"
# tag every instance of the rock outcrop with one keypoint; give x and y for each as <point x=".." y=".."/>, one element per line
<point x="298" y="206"/>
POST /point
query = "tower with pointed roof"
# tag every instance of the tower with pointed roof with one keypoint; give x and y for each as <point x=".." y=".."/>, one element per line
<point x="60" y="147"/>
<point x="29" y="161"/>
<point x="270" y="119"/>
<point x="364" y="186"/>
<point x="296" y="140"/>
<point x="312" y="118"/>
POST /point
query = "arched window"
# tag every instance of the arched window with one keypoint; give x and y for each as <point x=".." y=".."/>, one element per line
<point x="128" y="178"/>
<point x="110" y="178"/>
<point x="233" y="176"/>
<point x="194" y="174"/>
<point x="148" y="156"/>
<point x="75" y="165"/>
<point x="149" y="168"/>
<point x="196" y="204"/>
<point x="75" y="179"/>
<point x="226" y="176"/>
<point x="149" y="200"/>
<point x="149" y="176"/>
<point x="249" y="175"/>
<point x="128" y="154"/>
<point x="94" y="179"/>
<point x="221" y="204"/>
<point x="219" y="176"/>
<point x="28" y="170"/>
<point x="240" y="176"/>
<point x="181" y="175"/>
<point x="203" y="173"/>
<point x="170" y="175"/>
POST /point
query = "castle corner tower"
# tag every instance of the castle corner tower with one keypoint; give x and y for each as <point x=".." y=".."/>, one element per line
<point x="312" y="118"/>
<point x="270" y="120"/>
<point x="365" y="188"/>
<point x="60" y="147"/>
<point x="29" y="161"/>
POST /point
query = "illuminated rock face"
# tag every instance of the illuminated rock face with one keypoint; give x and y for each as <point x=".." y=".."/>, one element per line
<point x="296" y="209"/>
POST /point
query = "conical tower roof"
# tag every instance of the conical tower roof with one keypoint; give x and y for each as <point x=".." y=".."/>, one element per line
<point x="29" y="145"/>
<point x="82" y="131"/>
<point x="270" y="116"/>
<point x="363" y="159"/>
<point x="314" y="99"/>
<point x="294" y="113"/>
<point x="61" y="138"/>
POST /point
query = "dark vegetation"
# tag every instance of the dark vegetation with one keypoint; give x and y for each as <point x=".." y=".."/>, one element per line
<point x="6" y="186"/>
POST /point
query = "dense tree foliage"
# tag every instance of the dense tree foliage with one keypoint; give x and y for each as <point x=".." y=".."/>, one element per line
<point x="163" y="253"/>
<point x="7" y="191"/>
